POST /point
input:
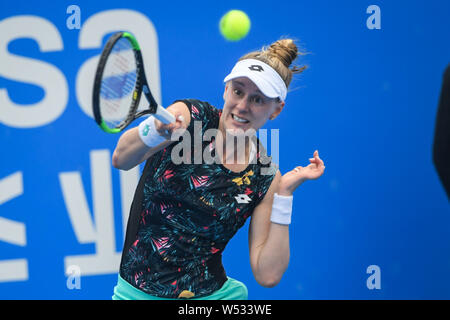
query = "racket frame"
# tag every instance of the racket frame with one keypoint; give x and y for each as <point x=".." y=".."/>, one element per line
<point x="141" y="85"/>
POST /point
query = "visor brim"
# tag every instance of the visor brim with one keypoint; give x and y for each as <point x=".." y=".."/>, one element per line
<point x="262" y="84"/>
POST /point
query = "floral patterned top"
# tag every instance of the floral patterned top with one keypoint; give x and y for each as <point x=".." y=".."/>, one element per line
<point x="183" y="216"/>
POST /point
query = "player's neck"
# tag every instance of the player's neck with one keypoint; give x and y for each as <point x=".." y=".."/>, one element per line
<point x="232" y="150"/>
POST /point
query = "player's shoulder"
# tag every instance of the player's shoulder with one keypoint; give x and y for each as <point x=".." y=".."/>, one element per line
<point x="200" y="110"/>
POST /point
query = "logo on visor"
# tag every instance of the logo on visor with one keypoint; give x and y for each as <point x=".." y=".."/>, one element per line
<point x="256" y="67"/>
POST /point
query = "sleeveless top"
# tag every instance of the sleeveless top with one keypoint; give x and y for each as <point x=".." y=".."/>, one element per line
<point x="183" y="214"/>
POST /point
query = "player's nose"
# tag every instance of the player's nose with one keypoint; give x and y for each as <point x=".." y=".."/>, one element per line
<point x="243" y="106"/>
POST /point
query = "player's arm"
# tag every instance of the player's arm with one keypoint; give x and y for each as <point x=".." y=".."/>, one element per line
<point x="269" y="227"/>
<point x="131" y="150"/>
<point x="268" y="242"/>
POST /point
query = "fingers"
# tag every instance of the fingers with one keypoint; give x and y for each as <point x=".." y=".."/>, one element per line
<point x="167" y="129"/>
<point x="316" y="160"/>
<point x="311" y="172"/>
<point x="174" y="125"/>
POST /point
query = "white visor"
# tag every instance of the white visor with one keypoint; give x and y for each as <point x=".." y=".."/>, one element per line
<point x="262" y="75"/>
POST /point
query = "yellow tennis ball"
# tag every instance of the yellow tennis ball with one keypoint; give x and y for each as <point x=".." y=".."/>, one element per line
<point x="234" y="25"/>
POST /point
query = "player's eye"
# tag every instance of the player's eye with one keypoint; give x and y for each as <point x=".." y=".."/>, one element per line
<point x="257" y="100"/>
<point x="237" y="92"/>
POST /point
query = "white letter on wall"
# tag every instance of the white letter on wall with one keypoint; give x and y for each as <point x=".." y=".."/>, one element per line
<point x="33" y="71"/>
<point x="12" y="231"/>
<point x="99" y="230"/>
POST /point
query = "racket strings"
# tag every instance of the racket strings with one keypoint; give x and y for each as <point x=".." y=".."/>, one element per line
<point x="118" y="83"/>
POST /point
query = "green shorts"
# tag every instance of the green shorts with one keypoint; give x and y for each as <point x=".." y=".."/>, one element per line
<point x="231" y="290"/>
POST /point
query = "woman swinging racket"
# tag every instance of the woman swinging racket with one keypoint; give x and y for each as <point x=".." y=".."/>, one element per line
<point x="183" y="215"/>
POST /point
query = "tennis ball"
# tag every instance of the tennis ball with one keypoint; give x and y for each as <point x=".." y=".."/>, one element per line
<point x="234" y="25"/>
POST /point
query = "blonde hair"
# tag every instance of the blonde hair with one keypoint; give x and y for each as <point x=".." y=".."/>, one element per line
<point x="279" y="55"/>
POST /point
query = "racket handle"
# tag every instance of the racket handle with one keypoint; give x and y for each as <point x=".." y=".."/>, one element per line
<point x="163" y="115"/>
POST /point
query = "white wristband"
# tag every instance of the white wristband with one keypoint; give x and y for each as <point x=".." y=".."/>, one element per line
<point x="281" y="209"/>
<point x="148" y="133"/>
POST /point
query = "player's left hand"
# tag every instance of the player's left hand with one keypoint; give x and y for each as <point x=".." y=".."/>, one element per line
<point x="292" y="179"/>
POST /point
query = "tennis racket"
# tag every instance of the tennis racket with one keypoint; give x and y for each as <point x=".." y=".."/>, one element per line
<point x="119" y="82"/>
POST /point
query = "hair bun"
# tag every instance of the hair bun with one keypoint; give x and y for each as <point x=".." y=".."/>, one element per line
<point x="284" y="50"/>
<point x="280" y="56"/>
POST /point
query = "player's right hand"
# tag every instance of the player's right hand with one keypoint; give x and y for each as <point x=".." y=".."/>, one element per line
<point x="166" y="130"/>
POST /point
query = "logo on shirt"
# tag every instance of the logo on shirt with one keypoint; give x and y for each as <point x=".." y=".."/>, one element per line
<point x="243" y="198"/>
<point x="244" y="179"/>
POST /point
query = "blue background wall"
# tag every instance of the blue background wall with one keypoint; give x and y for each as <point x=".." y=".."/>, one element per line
<point x="367" y="102"/>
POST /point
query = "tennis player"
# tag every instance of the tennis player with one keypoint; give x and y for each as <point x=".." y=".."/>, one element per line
<point x="183" y="215"/>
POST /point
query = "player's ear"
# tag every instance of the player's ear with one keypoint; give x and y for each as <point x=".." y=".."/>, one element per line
<point x="277" y="111"/>
<point x="225" y="91"/>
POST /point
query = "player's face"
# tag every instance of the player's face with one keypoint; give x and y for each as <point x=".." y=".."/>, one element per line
<point x="246" y="107"/>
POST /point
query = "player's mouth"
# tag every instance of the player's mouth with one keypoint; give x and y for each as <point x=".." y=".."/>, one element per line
<point x="239" y="119"/>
